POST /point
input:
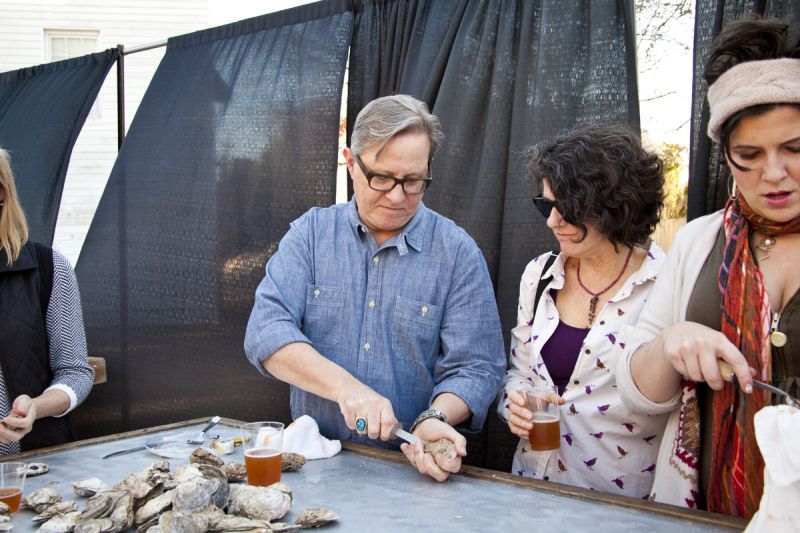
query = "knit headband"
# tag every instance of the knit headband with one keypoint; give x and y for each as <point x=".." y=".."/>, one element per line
<point x="768" y="81"/>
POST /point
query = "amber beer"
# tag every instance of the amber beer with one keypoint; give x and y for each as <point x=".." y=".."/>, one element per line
<point x="263" y="466"/>
<point x="11" y="497"/>
<point x="546" y="432"/>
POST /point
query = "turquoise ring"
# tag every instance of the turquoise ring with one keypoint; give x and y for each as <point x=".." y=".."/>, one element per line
<point x="361" y="424"/>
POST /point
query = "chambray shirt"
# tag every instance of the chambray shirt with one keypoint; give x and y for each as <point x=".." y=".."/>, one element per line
<point x="412" y="319"/>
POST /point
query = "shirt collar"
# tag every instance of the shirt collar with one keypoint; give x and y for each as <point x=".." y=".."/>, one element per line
<point x="413" y="234"/>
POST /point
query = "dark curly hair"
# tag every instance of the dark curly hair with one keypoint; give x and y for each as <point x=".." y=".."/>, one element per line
<point x="601" y="176"/>
<point x="750" y="39"/>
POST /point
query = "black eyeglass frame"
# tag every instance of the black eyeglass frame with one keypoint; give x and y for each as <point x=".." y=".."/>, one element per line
<point x="397" y="181"/>
<point x="544" y="205"/>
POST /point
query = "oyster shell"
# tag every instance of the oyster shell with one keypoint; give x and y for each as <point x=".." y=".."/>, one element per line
<point x="234" y="471"/>
<point x="215" y="482"/>
<point x="96" y="525"/>
<point x="238" y="523"/>
<point x="292" y="462"/>
<point x="316" y="517"/>
<point x="178" y="522"/>
<point x="260" y="503"/>
<point x="283" y="526"/>
<point x="186" y="472"/>
<point x="89" y="487"/>
<point x="60" y="523"/>
<point x="191" y="497"/>
<point x="150" y="510"/>
<point x="443" y="447"/>
<point x="201" y="456"/>
<point x="5" y="510"/>
<point x="41" y="499"/>
<point x="37" y="469"/>
<point x="63" y="507"/>
<point x="5" y="523"/>
<point x="116" y="506"/>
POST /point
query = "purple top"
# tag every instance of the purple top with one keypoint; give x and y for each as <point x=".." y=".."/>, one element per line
<point x="560" y="353"/>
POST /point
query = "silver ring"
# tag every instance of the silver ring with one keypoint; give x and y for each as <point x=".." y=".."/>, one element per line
<point x="361" y="424"/>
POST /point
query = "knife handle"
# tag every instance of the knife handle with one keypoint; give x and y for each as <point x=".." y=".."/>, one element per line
<point x="727" y="372"/>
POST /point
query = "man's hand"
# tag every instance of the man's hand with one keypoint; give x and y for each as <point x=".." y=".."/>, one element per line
<point x="359" y="401"/>
<point x="436" y="466"/>
<point x="20" y="421"/>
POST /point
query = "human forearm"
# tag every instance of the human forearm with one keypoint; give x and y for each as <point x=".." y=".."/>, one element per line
<point x="52" y="402"/>
<point x="652" y="374"/>
<point x="453" y="407"/>
<point x="299" y="364"/>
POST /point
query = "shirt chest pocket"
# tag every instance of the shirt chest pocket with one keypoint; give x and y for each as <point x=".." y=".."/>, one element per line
<point x="322" y="323"/>
<point x="415" y="331"/>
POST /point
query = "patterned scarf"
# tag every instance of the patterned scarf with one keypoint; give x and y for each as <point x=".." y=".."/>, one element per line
<point x="737" y="468"/>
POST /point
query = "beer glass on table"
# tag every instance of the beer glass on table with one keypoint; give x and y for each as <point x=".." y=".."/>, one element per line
<point x="12" y="479"/>
<point x="545" y="434"/>
<point x="263" y="444"/>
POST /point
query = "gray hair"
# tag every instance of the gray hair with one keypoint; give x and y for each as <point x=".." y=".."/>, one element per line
<point x="384" y="118"/>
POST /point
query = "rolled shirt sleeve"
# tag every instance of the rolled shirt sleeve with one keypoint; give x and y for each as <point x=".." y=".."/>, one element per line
<point x="473" y="359"/>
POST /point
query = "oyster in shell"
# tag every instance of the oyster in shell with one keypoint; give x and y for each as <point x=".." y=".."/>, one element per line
<point x="191" y="497"/>
<point x="226" y="522"/>
<point x="37" y="469"/>
<point x="63" y="507"/>
<point x="201" y="456"/>
<point x="316" y="517"/>
<point x="89" y="487"/>
<point x="186" y="472"/>
<point x="234" y="471"/>
<point x="292" y="462"/>
<point x="443" y="447"/>
<point x="215" y="482"/>
<point x="41" y="499"/>
<point x="260" y="503"/>
<point x="60" y="523"/>
<point x="5" y="510"/>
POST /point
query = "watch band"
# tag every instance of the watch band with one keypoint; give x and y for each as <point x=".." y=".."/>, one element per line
<point x="426" y="414"/>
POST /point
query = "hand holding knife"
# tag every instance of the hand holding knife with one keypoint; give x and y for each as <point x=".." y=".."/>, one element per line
<point x="399" y="432"/>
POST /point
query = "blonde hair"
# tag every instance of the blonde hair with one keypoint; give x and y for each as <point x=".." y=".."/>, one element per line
<point x="13" y="227"/>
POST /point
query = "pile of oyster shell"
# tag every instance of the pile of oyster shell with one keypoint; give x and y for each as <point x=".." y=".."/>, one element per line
<point x="201" y="496"/>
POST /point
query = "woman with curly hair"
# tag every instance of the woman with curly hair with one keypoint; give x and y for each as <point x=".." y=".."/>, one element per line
<point x="601" y="196"/>
<point x="729" y="288"/>
<point x="45" y="371"/>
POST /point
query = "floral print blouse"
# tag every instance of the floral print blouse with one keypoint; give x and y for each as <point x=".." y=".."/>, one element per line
<point x="603" y="445"/>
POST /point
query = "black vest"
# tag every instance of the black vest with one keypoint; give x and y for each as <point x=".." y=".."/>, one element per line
<point x="24" y="348"/>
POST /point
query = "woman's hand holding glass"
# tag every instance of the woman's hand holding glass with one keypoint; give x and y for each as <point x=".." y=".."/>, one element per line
<point x="520" y="417"/>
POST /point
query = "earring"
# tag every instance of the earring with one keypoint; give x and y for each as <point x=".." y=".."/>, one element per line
<point x="731" y="187"/>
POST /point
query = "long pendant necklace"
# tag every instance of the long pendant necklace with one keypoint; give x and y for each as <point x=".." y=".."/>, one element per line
<point x="596" y="295"/>
<point x="765" y="245"/>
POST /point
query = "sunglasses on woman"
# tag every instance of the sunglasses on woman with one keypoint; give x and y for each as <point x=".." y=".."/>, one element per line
<point x="544" y="205"/>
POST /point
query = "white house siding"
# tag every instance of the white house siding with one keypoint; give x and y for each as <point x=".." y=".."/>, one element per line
<point x="131" y="23"/>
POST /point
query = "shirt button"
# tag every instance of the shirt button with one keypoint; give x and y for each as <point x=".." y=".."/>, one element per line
<point x="424" y="310"/>
<point x="376" y="259"/>
<point x="577" y="382"/>
<point x="371" y="304"/>
<point x="367" y="347"/>
<point x="588" y="351"/>
<point x="316" y="293"/>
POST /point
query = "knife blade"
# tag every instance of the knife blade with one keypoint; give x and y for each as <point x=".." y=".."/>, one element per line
<point x="728" y="375"/>
<point x="125" y="452"/>
<point x="399" y="432"/>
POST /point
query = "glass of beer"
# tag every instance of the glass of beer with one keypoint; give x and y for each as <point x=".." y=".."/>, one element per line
<point x="12" y="478"/>
<point x="546" y="431"/>
<point x="262" y="443"/>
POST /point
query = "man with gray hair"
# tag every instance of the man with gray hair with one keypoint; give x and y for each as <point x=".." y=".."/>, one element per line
<point x="381" y="312"/>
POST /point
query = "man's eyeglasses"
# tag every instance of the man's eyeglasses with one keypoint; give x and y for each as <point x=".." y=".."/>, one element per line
<point x="544" y="205"/>
<point x="381" y="183"/>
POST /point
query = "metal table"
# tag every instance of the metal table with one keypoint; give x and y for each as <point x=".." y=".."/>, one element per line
<point x="377" y="490"/>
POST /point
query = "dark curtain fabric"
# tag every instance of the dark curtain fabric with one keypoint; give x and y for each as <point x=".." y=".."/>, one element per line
<point x="500" y="75"/>
<point x="709" y="181"/>
<point x="42" y="111"/>
<point x="235" y="138"/>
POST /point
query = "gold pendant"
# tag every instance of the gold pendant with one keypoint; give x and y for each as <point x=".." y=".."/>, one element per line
<point x="778" y="339"/>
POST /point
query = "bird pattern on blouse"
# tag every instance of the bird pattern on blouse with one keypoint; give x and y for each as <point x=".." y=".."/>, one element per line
<point x="64" y="325"/>
<point x="603" y="446"/>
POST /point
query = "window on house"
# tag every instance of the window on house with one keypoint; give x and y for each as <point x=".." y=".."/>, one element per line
<point x="65" y="44"/>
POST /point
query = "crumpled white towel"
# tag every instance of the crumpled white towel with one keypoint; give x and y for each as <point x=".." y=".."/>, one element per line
<point x="778" y="435"/>
<point x="302" y="436"/>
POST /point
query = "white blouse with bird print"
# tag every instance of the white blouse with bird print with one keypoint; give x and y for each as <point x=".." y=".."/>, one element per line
<point x="603" y="446"/>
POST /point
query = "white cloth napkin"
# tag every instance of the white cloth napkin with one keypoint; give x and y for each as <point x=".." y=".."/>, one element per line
<point x="303" y="437"/>
<point x="778" y="435"/>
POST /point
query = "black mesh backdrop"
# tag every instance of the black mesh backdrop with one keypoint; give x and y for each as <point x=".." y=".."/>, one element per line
<point x="709" y="182"/>
<point x="42" y="110"/>
<point x="235" y="137"/>
<point x="500" y="76"/>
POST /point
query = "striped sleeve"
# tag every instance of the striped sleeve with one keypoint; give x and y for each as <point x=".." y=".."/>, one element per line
<point x="66" y="335"/>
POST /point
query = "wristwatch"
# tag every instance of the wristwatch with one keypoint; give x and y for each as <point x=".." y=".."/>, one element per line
<point x="428" y="413"/>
